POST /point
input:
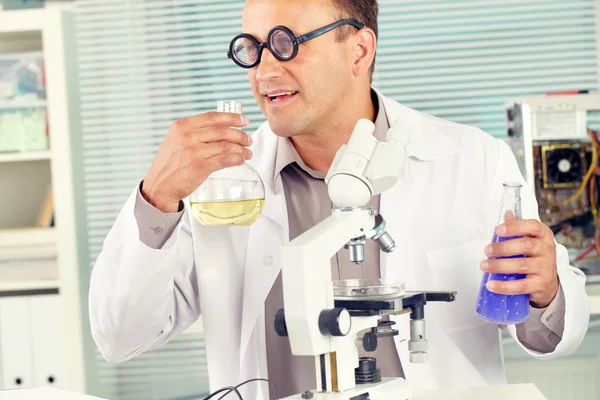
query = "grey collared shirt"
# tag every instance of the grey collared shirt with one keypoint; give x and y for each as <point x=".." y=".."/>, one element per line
<point x="308" y="203"/>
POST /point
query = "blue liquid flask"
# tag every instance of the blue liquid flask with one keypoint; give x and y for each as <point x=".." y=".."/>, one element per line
<point x="503" y="308"/>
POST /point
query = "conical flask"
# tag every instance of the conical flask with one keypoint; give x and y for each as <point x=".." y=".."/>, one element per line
<point x="502" y="308"/>
<point x="230" y="196"/>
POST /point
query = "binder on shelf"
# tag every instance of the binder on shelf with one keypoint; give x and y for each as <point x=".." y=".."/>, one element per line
<point x="46" y="347"/>
<point x="46" y="216"/>
<point x="15" y="345"/>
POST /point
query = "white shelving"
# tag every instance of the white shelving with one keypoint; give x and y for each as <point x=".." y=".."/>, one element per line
<point x="46" y="259"/>
<point x="28" y="260"/>
<point x="23" y="105"/>
<point x="30" y="276"/>
<point x="25" y="156"/>
<point x="16" y="21"/>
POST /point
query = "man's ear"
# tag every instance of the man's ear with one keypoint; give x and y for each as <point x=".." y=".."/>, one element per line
<point x="365" y="45"/>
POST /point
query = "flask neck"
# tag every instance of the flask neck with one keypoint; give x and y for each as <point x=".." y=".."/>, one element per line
<point x="511" y="204"/>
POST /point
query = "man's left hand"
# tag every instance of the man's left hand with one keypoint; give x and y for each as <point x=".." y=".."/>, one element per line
<point x="539" y="265"/>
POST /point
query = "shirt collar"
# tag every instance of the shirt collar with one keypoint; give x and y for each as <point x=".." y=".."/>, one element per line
<point x="287" y="154"/>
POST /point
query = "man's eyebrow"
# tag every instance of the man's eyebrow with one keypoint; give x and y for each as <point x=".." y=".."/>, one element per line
<point x="257" y="36"/>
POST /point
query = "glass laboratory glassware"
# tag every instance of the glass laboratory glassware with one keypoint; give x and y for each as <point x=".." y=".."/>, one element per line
<point x="503" y="308"/>
<point x="368" y="289"/>
<point x="231" y="196"/>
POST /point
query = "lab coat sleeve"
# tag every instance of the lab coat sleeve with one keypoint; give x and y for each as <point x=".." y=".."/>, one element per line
<point x="141" y="297"/>
<point x="572" y="280"/>
<point x="155" y="227"/>
<point x="544" y="328"/>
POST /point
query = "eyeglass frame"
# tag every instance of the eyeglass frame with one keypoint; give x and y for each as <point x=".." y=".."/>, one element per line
<point x="296" y="40"/>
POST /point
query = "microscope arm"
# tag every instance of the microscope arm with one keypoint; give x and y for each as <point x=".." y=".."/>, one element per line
<point x="307" y="278"/>
<point x="365" y="167"/>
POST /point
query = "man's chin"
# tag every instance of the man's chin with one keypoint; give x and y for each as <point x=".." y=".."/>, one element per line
<point x="280" y="127"/>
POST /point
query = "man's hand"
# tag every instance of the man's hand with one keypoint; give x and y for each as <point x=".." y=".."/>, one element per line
<point x="537" y="244"/>
<point x="194" y="148"/>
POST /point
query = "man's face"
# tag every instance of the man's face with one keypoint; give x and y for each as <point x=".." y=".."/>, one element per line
<point x="318" y="76"/>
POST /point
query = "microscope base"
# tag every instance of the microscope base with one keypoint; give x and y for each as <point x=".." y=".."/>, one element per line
<point x="387" y="389"/>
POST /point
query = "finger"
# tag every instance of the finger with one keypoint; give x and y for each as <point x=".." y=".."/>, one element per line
<point x="525" y="266"/>
<point x="221" y="161"/>
<point x="211" y="119"/>
<point x="521" y="286"/>
<point x="509" y="215"/>
<point x="208" y="150"/>
<point x="527" y="246"/>
<point x="220" y="134"/>
<point x="524" y="227"/>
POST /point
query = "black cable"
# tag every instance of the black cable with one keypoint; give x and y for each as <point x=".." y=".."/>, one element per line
<point x="229" y="390"/>
<point x="252" y="380"/>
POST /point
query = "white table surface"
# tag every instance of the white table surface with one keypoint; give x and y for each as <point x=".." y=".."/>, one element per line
<point x="43" y="393"/>
<point x="526" y="391"/>
<point x="509" y="392"/>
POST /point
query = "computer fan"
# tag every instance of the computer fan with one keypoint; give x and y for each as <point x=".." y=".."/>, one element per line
<point x="562" y="166"/>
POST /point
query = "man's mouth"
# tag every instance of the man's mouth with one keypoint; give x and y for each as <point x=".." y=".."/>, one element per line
<point x="275" y="97"/>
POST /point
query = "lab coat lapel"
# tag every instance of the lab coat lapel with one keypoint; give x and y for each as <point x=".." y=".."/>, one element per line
<point x="398" y="207"/>
<point x="267" y="235"/>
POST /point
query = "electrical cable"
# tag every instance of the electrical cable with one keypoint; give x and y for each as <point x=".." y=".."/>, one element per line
<point x="229" y="390"/>
<point x="592" y="190"/>
<point x="584" y="253"/>
<point x="235" y="388"/>
<point x="587" y="177"/>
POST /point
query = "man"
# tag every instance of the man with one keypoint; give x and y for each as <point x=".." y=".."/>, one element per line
<point x="160" y="270"/>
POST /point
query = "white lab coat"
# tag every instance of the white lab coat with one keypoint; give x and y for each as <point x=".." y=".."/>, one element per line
<point x="442" y="215"/>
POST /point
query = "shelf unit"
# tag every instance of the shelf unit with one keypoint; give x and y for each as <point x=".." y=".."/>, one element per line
<point x="25" y="156"/>
<point x="16" y="21"/>
<point x="50" y="30"/>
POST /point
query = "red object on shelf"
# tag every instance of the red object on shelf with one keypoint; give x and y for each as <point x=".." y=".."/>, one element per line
<point x="567" y="92"/>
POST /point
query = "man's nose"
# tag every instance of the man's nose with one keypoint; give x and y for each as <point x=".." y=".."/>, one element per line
<point x="269" y="67"/>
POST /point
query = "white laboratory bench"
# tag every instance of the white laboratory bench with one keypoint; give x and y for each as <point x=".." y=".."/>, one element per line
<point x="512" y="392"/>
<point x="45" y="393"/>
<point x="524" y="391"/>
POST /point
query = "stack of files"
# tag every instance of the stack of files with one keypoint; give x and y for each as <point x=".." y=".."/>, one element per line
<point x="28" y="259"/>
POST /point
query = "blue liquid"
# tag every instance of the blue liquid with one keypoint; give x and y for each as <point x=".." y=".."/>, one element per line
<point x="502" y="308"/>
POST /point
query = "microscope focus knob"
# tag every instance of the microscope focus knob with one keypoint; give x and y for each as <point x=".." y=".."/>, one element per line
<point x="280" y="325"/>
<point x="418" y="357"/>
<point x="335" y="322"/>
<point x="370" y="341"/>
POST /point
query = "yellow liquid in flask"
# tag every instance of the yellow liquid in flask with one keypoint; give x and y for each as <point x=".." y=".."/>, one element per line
<point x="239" y="212"/>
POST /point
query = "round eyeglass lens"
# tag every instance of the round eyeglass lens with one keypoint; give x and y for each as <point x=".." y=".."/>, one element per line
<point x="245" y="51"/>
<point x="282" y="43"/>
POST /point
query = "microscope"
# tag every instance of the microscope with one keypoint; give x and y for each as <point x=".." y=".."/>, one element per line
<point x="323" y="318"/>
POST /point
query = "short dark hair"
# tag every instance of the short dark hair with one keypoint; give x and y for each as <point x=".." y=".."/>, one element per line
<point x="364" y="11"/>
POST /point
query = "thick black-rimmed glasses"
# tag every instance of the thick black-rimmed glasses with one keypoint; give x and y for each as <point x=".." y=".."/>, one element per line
<point x="246" y="51"/>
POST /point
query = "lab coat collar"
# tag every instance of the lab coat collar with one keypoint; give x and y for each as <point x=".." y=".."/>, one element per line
<point x="430" y="139"/>
<point x="287" y="153"/>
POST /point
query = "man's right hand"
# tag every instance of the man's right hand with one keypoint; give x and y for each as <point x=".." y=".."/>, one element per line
<point x="194" y="148"/>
